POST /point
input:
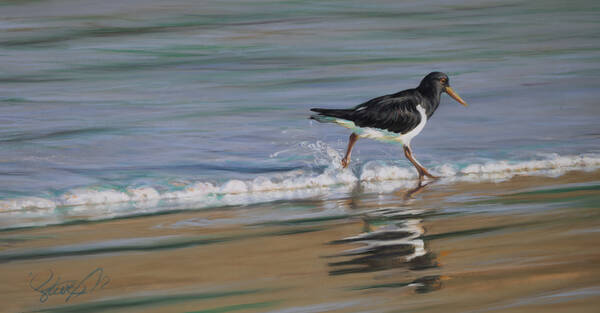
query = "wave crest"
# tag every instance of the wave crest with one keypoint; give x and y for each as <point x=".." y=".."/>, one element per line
<point x="374" y="176"/>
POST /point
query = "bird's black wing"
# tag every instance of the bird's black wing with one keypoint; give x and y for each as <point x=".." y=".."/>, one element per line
<point x="396" y="113"/>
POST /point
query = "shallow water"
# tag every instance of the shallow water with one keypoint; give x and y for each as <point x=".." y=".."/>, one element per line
<point x="526" y="245"/>
<point x="136" y="95"/>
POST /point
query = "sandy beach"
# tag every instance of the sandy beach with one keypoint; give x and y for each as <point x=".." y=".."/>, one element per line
<point x="524" y="245"/>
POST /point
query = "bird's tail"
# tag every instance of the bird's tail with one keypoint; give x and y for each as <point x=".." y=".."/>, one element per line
<point x="326" y="115"/>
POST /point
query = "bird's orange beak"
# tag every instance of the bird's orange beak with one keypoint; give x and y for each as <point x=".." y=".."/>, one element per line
<point x="455" y="96"/>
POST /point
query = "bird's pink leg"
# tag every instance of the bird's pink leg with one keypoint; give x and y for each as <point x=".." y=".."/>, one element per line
<point x="420" y="169"/>
<point x="351" y="142"/>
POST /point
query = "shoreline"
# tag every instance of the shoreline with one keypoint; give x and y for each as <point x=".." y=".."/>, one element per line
<point x="95" y="212"/>
<point x="442" y="246"/>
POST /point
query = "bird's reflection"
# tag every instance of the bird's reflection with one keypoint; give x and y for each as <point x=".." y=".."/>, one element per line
<point x="391" y="238"/>
<point x="394" y="245"/>
<point x="416" y="190"/>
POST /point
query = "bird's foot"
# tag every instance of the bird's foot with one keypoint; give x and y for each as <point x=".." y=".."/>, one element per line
<point x="422" y="178"/>
<point x="433" y="176"/>
<point x="345" y="162"/>
<point x="424" y="173"/>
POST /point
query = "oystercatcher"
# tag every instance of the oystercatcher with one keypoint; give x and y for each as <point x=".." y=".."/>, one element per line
<point x="397" y="117"/>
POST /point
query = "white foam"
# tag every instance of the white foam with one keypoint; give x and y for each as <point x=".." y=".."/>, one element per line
<point x="379" y="171"/>
<point x="234" y="186"/>
<point x="26" y="203"/>
<point x="374" y="176"/>
<point x="446" y="170"/>
<point x="262" y="183"/>
<point x="143" y="194"/>
<point x="552" y="165"/>
<point x="90" y="196"/>
<point x="193" y="191"/>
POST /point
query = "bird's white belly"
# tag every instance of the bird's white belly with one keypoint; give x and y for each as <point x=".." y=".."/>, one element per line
<point x="385" y="135"/>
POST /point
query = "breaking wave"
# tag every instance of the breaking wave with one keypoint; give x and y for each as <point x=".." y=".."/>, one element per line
<point x="373" y="176"/>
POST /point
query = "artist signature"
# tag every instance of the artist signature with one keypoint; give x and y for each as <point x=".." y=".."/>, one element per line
<point x="50" y="285"/>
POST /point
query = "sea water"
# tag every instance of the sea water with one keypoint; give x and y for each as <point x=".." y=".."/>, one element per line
<point x="118" y="108"/>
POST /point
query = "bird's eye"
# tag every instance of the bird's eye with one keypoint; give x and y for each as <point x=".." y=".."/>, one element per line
<point x="443" y="80"/>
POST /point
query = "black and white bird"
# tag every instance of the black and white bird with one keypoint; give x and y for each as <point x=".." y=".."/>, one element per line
<point x="397" y="117"/>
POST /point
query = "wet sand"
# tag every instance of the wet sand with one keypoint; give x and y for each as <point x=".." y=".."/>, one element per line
<point x="525" y="245"/>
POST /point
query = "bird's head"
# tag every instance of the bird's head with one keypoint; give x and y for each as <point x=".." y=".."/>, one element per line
<point x="439" y="82"/>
